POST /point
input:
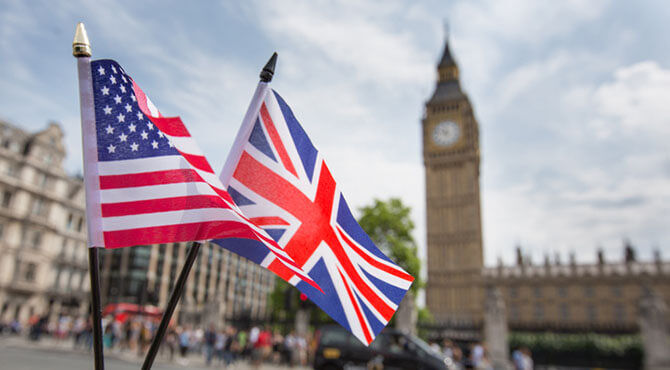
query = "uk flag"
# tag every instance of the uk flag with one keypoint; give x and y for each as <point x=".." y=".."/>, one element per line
<point x="280" y="181"/>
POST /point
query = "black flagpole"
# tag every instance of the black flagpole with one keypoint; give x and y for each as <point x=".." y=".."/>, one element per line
<point x="94" y="270"/>
<point x="172" y="304"/>
<point x="81" y="49"/>
<point x="265" y="76"/>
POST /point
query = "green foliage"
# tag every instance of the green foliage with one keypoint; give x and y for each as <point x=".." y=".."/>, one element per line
<point x="595" y="348"/>
<point x="285" y="300"/>
<point x="390" y="227"/>
<point x="424" y="317"/>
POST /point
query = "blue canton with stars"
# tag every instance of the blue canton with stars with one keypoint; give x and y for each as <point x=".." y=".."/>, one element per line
<point x="123" y="131"/>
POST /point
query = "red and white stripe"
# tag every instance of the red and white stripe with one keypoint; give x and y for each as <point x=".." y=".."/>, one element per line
<point x="176" y="198"/>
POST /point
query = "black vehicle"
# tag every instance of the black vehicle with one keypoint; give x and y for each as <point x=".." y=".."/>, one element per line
<point x="340" y="350"/>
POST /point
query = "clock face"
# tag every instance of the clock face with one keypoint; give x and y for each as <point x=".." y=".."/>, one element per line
<point x="446" y="133"/>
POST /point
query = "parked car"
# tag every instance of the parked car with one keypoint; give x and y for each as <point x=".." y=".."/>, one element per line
<point x="339" y="350"/>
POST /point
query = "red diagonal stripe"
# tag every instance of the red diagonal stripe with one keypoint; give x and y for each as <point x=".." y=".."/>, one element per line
<point x="265" y="221"/>
<point x="162" y="205"/>
<point x="149" y="178"/>
<point x="384" y="309"/>
<point x="276" y="140"/>
<point x="314" y="218"/>
<point x="357" y="308"/>
<point x="271" y="186"/>
<point x="172" y="126"/>
<point x="198" y="161"/>
<point x="386" y="268"/>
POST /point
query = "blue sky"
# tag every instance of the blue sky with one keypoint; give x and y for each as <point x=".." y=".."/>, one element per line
<point x="572" y="97"/>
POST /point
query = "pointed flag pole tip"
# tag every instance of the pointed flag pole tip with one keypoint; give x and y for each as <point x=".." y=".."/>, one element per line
<point x="269" y="69"/>
<point x="81" y="47"/>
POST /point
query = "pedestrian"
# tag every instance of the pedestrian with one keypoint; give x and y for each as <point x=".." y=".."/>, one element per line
<point x="230" y="346"/>
<point x="262" y="347"/>
<point x="171" y="340"/>
<point x="184" y="341"/>
<point x="209" y="339"/>
<point x="219" y="345"/>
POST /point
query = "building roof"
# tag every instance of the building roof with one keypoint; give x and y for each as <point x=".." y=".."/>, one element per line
<point x="449" y="89"/>
<point x="447" y="59"/>
<point x="445" y="91"/>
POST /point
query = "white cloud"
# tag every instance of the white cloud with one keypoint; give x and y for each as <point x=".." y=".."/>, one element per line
<point x="354" y="37"/>
<point x="637" y="99"/>
<point x="612" y="181"/>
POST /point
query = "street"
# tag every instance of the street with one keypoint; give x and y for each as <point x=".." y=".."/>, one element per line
<point x="20" y="354"/>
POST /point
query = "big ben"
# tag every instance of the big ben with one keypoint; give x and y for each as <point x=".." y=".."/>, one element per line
<point x="454" y="231"/>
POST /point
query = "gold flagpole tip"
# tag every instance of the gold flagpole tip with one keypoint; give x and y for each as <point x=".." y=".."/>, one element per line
<point x="80" y="45"/>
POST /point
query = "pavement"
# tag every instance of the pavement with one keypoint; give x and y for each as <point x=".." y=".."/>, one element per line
<point x="18" y="353"/>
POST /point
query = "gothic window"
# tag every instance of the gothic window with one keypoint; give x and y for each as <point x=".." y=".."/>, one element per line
<point x="588" y="291"/>
<point x="513" y="292"/>
<point x="537" y="291"/>
<point x="591" y="312"/>
<point x="565" y="311"/>
<point x="616" y="291"/>
<point x="80" y="224"/>
<point x="562" y="291"/>
<point x="619" y="312"/>
<point x="539" y="311"/>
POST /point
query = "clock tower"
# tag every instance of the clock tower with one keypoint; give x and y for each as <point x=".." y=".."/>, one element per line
<point x="453" y="220"/>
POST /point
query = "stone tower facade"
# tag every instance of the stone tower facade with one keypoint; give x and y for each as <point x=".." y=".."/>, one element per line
<point x="454" y="240"/>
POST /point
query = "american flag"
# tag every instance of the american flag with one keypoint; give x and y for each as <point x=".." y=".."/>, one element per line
<point x="154" y="184"/>
<point x="279" y="179"/>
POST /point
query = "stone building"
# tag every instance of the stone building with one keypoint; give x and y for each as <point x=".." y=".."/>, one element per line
<point x="43" y="259"/>
<point x="572" y="296"/>
<point x="602" y="296"/>
<point x="222" y="286"/>
<point x="453" y="220"/>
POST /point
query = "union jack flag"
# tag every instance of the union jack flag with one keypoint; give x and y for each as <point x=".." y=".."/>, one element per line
<point x="147" y="181"/>
<point x="280" y="181"/>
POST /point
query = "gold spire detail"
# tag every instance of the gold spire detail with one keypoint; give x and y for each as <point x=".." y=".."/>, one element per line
<point x="81" y="47"/>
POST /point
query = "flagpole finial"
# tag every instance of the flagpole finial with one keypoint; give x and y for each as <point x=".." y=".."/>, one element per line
<point x="81" y="47"/>
<point x="269" y="69"/>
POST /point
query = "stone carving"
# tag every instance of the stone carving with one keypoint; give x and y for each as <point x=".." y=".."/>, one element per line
<point x="406" y="316"/>
<point x="495" y="329"/>
<point x="654" y="331"/>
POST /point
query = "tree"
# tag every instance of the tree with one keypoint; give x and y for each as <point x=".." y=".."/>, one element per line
<point x="389" y="225"/>
<point x="284" y="301"/>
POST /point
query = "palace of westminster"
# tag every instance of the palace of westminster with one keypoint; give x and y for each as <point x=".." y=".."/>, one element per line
<point x="571" y="296"/>
<point x="44" y="267"/>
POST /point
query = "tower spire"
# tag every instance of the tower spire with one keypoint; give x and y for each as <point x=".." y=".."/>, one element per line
<point x="447" y="60"/>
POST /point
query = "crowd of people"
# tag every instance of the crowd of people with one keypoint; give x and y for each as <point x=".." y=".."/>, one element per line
<point x="477" y="356"/>
<point x="221" y="346"/>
